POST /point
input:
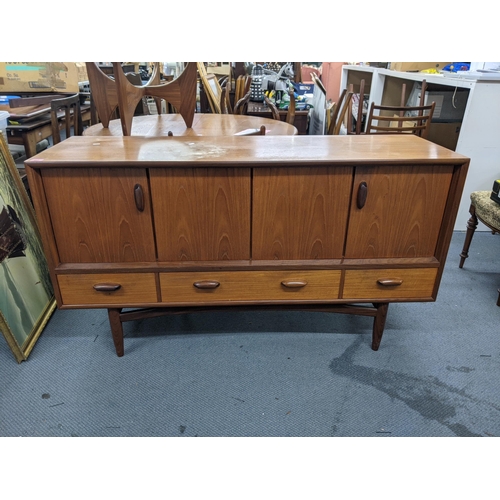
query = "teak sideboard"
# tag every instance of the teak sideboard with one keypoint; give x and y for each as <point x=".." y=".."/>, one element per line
<point x="149" y="226"/>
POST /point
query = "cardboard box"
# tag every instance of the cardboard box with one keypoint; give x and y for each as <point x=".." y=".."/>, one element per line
<point x="35" y="77"/>
<point x="417" y="66"/>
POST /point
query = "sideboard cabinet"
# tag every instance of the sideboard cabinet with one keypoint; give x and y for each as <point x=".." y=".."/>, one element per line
<point x="167" y="225"/>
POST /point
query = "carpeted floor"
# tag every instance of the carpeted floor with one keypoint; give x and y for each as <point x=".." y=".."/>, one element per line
<point x="274" y="373"/>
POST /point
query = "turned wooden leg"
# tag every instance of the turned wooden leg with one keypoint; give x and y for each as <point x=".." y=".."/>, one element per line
<point x="379" y="323"/>
<point x="471" y="227"/>
<point x="116" y="330"/>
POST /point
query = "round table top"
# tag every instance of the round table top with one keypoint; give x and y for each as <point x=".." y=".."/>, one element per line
<point x="203" y="124"/>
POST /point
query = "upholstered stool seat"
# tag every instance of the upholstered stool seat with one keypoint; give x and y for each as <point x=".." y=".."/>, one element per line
<point x="483" y="209"/>
<point x="486" y="209"/>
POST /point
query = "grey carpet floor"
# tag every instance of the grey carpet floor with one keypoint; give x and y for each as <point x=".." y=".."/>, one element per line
<point x="271" y="374"/>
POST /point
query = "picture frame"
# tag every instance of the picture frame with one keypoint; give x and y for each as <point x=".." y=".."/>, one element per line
<point x="26" y="294"/>
<point x="212" y="88"/>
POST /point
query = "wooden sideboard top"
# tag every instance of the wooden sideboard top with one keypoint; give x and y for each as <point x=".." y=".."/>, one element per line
<point x="239" y="151"/>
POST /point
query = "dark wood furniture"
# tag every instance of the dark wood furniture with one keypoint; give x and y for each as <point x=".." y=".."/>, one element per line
<point x="290" y="112"/>
<point x="338" y="112"/>
<point x="110" y="94"/>
<point x="395" y="119"/>
<point x="176" y="224"/>
<point x="485" y="210"/>
<point x="71" y="119"/>
<point x="38" y="127"/>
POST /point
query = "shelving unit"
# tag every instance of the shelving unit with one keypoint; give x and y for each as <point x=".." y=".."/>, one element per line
<point x="474" y="134"/>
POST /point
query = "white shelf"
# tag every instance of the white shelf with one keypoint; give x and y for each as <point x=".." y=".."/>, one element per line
<point x="479" y="137"/>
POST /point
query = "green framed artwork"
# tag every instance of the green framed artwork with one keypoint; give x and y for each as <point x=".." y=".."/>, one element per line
<point x="26" y="294"/>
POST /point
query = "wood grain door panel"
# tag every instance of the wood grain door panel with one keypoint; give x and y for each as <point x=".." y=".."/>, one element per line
<point x="201" y="214"/>
<point x="402" y="214"/>
<point x="300" y="213"/>
<point x="95" y="217"/>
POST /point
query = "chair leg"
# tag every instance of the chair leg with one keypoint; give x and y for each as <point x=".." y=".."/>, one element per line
<point x="471" y="227"/>
<point x="498" y="300"/>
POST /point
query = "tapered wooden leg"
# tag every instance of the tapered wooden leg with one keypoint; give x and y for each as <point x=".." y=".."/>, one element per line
<point x="116" y="330"/>
<point x="379" y="324"/>
<point x="471" y="227"/>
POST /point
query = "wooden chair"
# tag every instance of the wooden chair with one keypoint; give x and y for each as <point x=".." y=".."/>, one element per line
<point x="225" y="101"/>
<point x="72" y="117"/>
<point x="110" y="94"/>
<point x="180" y="93"/>
<point x="485" y="210"/>
<point x="290" y="114"/>
<point x="338" y="112"/>
<point x="357" y="129"/>
<point x="400" y="119"/>
<point x="242" y="87"/>
<point x="240" y="108"/>
<point x="142" y="107"/>
<point x="274" y="110"/>
<point x="103" y="93"/>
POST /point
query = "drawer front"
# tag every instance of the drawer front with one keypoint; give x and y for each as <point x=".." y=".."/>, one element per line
<point x="109" y="288"/>
<point x="389" y="283"/>
<point x="255" y="286"/>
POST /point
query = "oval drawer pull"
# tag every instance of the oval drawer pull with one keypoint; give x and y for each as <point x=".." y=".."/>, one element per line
<point x="390" y="282"/>
<point x="294" y="284"/>
<point x="206" y="285"/>
<point x="107" y="287"/>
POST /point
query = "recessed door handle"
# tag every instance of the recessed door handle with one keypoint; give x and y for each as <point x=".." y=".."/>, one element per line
<point x="362" y="194"/>
<point x="139" y="197"/>
<point x="107" y="287"/>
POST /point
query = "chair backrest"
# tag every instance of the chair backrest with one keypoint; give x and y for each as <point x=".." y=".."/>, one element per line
<point x="272" y="107"/>
<point x="360" y="97"/>
<point x="225" y="101"/>
<point x="67" y="108"/>
<point x="135" y="79"/>
<point x="240" y="108"/>
<point x="400" y="119"/>
<point x="180" y="93"/>
<point x="290" y="114"/>
<point x="339" y="111"/>
<point x="242" y="87"/>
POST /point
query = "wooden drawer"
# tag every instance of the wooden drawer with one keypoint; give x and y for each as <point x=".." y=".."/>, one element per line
<point x="389" y="283"/>
<point x="255" y="286"/>
<point x="132" y="289"/>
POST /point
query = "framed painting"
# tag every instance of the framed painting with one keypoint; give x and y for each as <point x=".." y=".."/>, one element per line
<point x="26" y="294"/>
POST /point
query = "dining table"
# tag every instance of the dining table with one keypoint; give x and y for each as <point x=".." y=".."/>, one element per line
<point x="204" y="124"/>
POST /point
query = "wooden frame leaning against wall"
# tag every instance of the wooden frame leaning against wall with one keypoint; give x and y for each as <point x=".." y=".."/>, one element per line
<point x="26" y="294"/>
